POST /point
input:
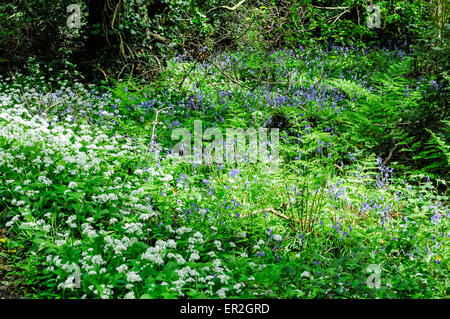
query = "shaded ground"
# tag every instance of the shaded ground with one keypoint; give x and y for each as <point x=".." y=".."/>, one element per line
<point x="8" y="284"/>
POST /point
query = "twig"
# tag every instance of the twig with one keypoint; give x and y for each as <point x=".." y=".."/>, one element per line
<point x="395" y="124"/>
<point x="104" y="74"/>
<point x="158" y="37"/>
<point x="12" y="16"/>
<point x="123" y="68"/>
<point x="359" y="19"/>
<point x="156" y="121"/>
<point x="270" y="210"/>
<point x="157" y="60"/>
<point x="230" y="78"/>
<point x="51" y="106"/>
<point x="187" y="74"/>
<point x="389" y="156"/>
<point x="122" y="50"/>
<point x="339" y="15"/>
<point x="331" y="8"/>
<point x="228" y="8"/>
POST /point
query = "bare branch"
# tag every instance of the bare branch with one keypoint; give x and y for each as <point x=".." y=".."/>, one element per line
<point x="389" y="156"/>
<point x="270" y="210"/>
<point x="229" y="77"/>
<point x="157" y="37"/>
<point x="339" y="15"/>
<point x="156" y="121"/>
<point x="331" y="8"/>
<point x="228" y="8"/>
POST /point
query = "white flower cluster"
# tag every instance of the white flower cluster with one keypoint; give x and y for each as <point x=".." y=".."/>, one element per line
<point x="66" y="153"/>
<point x="156" y="254"/>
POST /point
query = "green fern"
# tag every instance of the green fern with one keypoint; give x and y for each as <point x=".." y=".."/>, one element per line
<point x="351" y="88"/>
<point x="400" y="68"/>
<point x="436" y="150"/>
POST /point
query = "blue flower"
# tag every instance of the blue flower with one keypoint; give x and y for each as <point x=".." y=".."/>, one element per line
<point x="234" y="173"/>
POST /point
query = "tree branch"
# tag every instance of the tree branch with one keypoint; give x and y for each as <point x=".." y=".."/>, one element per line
<point x="389" y="156"/>
<point x="228" y="8"/>
<point x="340" y="15"/>
<point x="157" y="37"/>
<point x="155" y="122"/>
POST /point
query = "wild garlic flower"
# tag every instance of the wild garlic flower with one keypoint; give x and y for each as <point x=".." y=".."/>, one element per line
<point x="133" y="277"/>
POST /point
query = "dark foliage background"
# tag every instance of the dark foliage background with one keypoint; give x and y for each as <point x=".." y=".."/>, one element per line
<point x="120" y="37"/>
